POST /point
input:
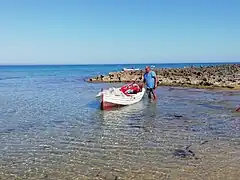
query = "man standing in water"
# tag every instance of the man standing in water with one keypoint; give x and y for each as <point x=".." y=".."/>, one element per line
<point x="150" y="80"/>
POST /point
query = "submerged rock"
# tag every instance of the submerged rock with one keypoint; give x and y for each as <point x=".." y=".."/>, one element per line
<point x="184" y="153"/>
<point x="181" y="153"/>
<point x="221" y="76"/>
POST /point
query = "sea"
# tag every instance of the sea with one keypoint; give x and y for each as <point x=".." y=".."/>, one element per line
<point x="51" y="127"/>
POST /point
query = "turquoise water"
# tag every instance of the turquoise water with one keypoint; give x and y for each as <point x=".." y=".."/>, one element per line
<point x="51" y="127"/>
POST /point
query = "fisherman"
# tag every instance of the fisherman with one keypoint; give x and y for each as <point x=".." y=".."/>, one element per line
<point x="150" y="80"/>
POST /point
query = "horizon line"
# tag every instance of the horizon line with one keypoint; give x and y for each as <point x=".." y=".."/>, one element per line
<point x="85" y="64"/>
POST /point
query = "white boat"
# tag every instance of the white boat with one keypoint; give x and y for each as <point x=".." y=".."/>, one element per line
<point x="131" y="69"/>
<point x="238" y="108"/>
<point x="123" y="96"/>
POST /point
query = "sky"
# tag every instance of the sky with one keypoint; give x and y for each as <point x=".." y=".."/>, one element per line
<point x="119" y="31"/>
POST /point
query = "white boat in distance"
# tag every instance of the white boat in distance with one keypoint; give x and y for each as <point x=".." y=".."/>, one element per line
<point x="131" y="69"/>
<point x="123" y="96"/>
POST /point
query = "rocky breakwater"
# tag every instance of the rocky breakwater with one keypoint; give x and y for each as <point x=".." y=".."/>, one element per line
<point x="221" y="76"/>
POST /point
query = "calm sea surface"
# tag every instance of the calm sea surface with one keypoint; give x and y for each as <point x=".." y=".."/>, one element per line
<point x="51" y="127"/>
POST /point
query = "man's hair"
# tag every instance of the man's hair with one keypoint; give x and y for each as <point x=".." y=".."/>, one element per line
<point x="148" y="67"/>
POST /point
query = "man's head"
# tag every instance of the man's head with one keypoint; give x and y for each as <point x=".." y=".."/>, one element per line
<point x="147" y="69"/>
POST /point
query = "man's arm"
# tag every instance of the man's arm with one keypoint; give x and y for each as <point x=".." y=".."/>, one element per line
<point x="155" y="79"/>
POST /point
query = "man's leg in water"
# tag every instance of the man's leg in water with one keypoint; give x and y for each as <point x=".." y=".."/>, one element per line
<point x="149" y="93"/>
<point x="154" y="94"/>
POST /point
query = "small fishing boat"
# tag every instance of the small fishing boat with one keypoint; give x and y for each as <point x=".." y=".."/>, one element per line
<point x="238" y="108"/>
<point x="122" y="96"/>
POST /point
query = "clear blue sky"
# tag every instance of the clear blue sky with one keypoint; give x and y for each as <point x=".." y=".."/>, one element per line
<point x="119" y="31"/>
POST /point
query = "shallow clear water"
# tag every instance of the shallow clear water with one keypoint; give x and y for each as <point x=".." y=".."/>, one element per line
<point x="51" y="127"/>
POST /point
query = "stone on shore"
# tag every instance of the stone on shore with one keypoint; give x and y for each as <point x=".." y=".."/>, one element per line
<point x="221" y="76"/>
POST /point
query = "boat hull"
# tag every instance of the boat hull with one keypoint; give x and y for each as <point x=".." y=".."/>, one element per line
<point x="109" y="106"/>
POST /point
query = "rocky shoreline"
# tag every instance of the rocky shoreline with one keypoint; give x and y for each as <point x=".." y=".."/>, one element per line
<point x="221" y="76"/>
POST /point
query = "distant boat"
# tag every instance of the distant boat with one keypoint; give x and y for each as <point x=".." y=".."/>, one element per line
<point x="130" y="69"/>
<point x="152" y="66"/>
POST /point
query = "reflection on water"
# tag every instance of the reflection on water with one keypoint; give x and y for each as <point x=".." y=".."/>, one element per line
<point x="49" y="134"/>
<point x="123" y="112"/>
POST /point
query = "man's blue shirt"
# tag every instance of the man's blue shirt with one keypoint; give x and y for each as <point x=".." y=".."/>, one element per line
<point x="149" y="78"/>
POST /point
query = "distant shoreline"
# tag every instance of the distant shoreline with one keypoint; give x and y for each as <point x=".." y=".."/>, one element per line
<point x="225" y="76"/>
